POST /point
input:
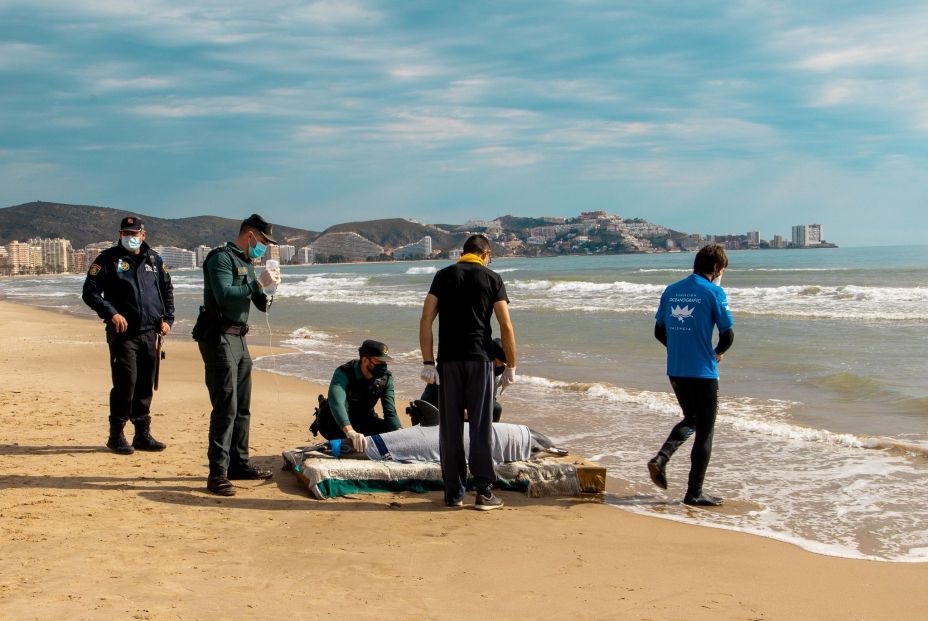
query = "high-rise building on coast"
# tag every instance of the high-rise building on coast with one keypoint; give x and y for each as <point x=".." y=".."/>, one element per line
<point x="306" y="255"/>
<point x="806" y="235"/>
<point x="54" y="252"/>
<point x="200" y="252"/>
<point x="421" y="249"/>
<point x="177" y="258"/>
<point x="287" y="252"/>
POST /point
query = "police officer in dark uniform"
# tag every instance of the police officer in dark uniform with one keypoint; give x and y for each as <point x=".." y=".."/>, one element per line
<point x="355" y="389"/>
<point x="131" y="291"/>
<point x="229" y="289"/>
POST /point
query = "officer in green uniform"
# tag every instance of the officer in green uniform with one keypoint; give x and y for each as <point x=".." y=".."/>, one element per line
<point x="355" y="389"/>
<point x="229" y="289"/>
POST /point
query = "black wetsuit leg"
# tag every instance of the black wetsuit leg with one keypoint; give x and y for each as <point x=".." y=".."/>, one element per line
<point x="699" y="400"/>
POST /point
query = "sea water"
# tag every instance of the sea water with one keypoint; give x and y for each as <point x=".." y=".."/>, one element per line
<point x="822" y="434"/>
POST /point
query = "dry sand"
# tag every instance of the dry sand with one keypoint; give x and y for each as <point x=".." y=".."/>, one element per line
<point x="85" y="533"/>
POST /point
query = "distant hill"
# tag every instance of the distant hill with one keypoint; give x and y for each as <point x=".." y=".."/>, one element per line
<point x="395" y="232"/>
<point x="85" y="224"/>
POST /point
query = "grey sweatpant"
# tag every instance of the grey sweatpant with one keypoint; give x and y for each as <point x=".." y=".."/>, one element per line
<point x="466" y="385"/>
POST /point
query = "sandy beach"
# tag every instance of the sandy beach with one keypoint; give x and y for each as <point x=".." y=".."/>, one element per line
<point x="85" y="533"/>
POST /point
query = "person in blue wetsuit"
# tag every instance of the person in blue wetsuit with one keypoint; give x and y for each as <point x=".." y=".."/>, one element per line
<point x="689" y="312"/>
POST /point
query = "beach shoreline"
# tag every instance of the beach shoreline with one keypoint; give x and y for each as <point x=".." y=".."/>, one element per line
<point x="90" y="534"/>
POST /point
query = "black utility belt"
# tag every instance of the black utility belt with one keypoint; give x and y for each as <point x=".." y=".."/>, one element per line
<point x="238" y="330"/>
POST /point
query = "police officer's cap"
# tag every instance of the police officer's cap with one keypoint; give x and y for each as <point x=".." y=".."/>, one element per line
<point x="374" y="349"/>
<point x="132" y="223"/>
<point x="256" y="221"/>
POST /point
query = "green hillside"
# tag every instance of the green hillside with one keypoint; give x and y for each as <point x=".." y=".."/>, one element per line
<point x="85" y="224"/>
<point x="394" y="232"/>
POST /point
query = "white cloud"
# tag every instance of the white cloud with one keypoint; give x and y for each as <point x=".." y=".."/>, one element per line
<point x="19" y="56"/>
<point x="505" y="157"/>
<point x="204" y="106"/>
<point x="425" y="128"/>
<point x="145" y="83"/>
<point x="412" y="72"/>
<point x="313" y="132"/>
<point x="333" y="13"/>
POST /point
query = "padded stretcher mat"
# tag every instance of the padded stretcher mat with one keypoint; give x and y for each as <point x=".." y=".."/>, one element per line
<point x="328" y="477"/>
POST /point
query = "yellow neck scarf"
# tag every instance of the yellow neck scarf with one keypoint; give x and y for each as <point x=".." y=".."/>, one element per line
<point x="470" y="258"/>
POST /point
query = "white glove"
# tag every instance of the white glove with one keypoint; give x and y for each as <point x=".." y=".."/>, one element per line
<point x="358" y="441"/>
<point x="269" y="278"/>
<point x="508" y="377"/>
<point x="429" y="374"/>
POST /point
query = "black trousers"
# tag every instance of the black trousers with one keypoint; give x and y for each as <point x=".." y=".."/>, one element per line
<point x="228" y="380"/>
<point x="466" y="385"/>
<point x="132" y="365"/>
<point x="699" y="400"/>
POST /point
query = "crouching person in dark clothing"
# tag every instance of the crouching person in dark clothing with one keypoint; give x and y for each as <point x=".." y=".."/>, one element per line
<point x="355" y="389"/>
<point x="128" y="287"/>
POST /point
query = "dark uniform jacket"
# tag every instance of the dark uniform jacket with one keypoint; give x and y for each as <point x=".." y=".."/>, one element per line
<point x="134" y="286"/>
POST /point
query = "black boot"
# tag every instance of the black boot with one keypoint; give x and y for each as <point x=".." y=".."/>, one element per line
<point x="218" y="483"/>
<point x="143" y="440"/>
<point x="656" y="468"/>
<point x="117" y="442"/>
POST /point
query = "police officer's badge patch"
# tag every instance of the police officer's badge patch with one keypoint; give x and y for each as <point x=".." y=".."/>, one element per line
<point x="94" y="270"/>
<point x="122" y="266"/>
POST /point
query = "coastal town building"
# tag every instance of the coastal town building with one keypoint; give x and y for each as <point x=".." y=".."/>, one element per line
<point x="287" y="252"/>
<point x="200" y="253"/>
<point x="421" y="249"/>
<point x="54" y="254"/>
<point x="177" y="258"/>
<point x="807" y="235"/>
<point x="306" y="255"/>
<point x="345" y="247"/>
<point x="20" y="257"/>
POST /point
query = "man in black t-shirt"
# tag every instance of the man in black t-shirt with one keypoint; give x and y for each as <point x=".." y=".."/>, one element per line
<point x="465" y="296"/>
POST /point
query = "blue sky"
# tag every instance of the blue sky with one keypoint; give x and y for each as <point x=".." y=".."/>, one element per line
<point x="717" y="117"/>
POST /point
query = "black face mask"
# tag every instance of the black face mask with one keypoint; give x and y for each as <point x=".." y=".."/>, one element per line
<point x="378" y="371"/>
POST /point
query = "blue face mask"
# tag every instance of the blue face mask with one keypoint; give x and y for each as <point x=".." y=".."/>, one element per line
<point x="257" y="251"/>
<point x="130" y="242"/>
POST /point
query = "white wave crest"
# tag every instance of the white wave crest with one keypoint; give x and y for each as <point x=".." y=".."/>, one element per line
<point x="431" y="269"/>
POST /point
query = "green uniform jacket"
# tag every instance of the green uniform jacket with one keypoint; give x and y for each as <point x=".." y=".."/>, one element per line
<point x="230" y="286"/>
<point x="338" y="396"/>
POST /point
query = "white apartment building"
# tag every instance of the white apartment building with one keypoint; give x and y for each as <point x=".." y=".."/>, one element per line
<point x="421" y="249"/>
<point x="305" y="255"/>
<point x="177" y="258"/>
<point x="287" y="252"/>
<point x="805" y="235"/>
<point x="201" y="251"/>
<point x="54" y="252"/>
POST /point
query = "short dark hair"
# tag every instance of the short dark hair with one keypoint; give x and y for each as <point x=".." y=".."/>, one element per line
<point x="476" y="244"/>
<point x="710" y="259"/>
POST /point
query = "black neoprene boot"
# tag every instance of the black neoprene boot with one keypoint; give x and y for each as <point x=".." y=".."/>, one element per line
<point x="656" y="468"/>
<point x="117" y="441"/>
<point x="143" y="440"/>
